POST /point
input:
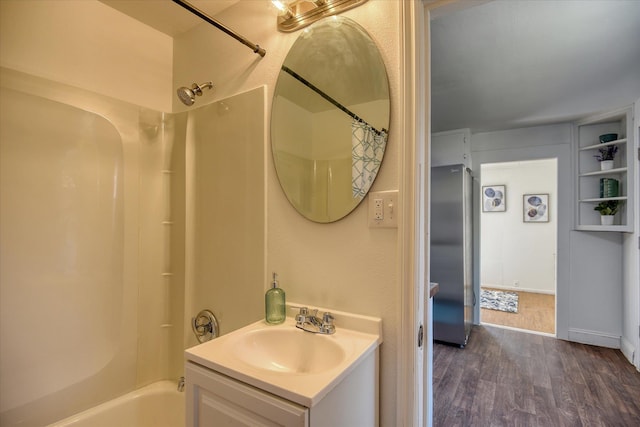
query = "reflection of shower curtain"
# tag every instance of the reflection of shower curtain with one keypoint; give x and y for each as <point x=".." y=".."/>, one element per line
<point x="367" y="149"/>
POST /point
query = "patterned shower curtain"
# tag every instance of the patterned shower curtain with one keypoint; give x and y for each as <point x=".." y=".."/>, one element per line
<point x="367" y="149"/>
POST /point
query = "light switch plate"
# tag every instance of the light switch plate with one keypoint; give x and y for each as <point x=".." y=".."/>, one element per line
<point x="385" y="216"/>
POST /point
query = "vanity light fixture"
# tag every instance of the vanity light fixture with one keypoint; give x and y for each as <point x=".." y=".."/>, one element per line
<point x="284" y="11"/>
<point x="297" y="14"/>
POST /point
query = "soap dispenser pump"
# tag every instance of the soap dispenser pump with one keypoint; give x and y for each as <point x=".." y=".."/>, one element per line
<point x="274" y="301"/>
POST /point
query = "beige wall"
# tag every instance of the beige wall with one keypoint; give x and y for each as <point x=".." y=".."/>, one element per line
<point x="89" y="45"/>
<point x="343" y="265"/>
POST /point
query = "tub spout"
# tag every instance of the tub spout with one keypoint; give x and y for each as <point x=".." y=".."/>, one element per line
<point x="181" y="384"/>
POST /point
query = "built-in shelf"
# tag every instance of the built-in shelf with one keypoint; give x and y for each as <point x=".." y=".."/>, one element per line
<point x="605" y="144"/>
<point x="603" y="199"/>
<point x="615" y="171"/>
<point x="588" y="173"/>
<point x="618" y="228"/>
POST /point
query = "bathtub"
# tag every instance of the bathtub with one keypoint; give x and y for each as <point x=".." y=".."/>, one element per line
<point x="156" y="405"/>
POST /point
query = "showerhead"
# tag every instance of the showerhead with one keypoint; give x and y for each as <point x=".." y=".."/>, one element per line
<point x="188" y="95"/>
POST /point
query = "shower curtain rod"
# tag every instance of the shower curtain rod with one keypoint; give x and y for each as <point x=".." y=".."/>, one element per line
<point x="256" y="49"/>
<point x="330" y="99"/>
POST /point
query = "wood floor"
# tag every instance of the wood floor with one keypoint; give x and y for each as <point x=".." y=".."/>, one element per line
<point x="510" y="378"/>
<point x="536" y="312"/>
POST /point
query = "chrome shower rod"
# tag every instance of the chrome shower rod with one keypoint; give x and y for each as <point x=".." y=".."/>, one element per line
<point x="317" y="90"/>
<point x="256" y="49"/>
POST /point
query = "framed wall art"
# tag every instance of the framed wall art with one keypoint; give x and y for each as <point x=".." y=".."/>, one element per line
<point x="494" y="198"/>
<point x="535" y="208"/>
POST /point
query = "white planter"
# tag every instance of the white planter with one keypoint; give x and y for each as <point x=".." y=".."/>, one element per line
<point x="606" y="219"/>
<point x="606" y="165"/>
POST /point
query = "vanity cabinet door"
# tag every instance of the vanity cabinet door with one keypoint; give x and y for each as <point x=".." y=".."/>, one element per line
<point x="217" y="400"/>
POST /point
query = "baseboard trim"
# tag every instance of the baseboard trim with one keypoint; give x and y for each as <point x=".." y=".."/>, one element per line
<point x="511" y="328"/>
<point x="514" y="289"/>
<point x="594" y="338"/>
<point x="627" y="349"/>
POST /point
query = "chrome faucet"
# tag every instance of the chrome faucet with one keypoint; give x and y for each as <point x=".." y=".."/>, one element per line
<point x="310" y="322"/>
<point x="181" y="384"/>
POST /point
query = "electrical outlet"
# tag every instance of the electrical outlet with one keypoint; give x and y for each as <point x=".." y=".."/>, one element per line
<point x="383" y="209"/>
<point x="516" y="284"/>
<point x="378" y="209"/>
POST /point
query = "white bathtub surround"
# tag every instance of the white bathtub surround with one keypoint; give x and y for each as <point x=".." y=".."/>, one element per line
<point x="104" y="224"/>
<point x="82" y="250"/>
<point x="156" y="405"/>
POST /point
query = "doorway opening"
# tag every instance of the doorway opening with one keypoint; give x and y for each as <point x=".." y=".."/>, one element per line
<point x="518" y="245"/>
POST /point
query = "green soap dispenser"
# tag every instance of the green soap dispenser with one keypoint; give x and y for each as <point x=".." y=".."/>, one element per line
<point x="274" y="302"/>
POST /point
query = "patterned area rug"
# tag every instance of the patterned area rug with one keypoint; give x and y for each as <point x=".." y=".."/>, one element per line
<point x="499" y="300"/>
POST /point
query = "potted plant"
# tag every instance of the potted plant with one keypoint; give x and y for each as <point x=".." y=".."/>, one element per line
<point x="606" y="156"/>
<point x="607" y="210"/>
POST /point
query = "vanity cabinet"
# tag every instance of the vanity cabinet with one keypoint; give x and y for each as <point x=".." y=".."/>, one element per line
<point x="217" y="400"/>
<point x="589" y="176"/>
<point x="281" y="375"/>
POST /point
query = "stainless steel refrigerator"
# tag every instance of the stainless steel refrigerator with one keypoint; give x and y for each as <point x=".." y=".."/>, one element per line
<point x="451" y="253"/>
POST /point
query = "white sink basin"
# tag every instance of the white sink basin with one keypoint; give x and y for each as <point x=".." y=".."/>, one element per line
<point x="289" y="362"/>
<point x="289" y="350"/>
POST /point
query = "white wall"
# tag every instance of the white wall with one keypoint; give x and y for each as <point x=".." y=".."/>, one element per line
<point x="513" y="251"/>
<point x="343" y="265"/>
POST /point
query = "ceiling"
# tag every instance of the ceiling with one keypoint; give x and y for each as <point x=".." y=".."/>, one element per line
<point x="165" y="15"/>
<point x="500" y="64"/>
<point x="509" y="64"/>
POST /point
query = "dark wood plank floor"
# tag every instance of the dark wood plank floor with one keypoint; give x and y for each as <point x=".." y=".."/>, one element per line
<point x="510" y="378"/>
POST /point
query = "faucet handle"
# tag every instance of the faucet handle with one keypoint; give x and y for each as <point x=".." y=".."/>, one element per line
<point x="327" y="324"/>
<point x="301" y="317"/>
<point x="327" y="318"/>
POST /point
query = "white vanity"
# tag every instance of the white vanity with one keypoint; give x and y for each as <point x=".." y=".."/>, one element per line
<point x="264" y="375"/>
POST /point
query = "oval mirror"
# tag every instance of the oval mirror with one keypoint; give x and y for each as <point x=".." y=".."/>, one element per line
<point x="330" y="119"/>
